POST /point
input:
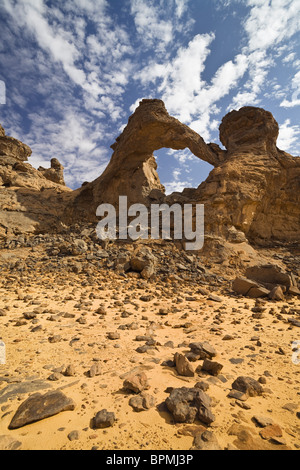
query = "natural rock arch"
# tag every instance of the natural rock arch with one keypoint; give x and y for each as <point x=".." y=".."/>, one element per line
<point x="132" y="169"/>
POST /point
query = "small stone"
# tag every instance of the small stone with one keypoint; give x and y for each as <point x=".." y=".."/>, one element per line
<point x="206" y="441"/>
<point x="204" y="386"/>
<point x="212" y="367"/>
<point x="214" y="297"/>
<point x="262" y="421"/>
<point x="276" y="294"/>
<point x="70" y="371"/>
<point x="103" y="419"/>
<point x="73" y="436"/>
<point x="227" y="338"/>
<point x="204" y="350"/>
<point x="54" y="339"/>
<point x="183" y="365"/>
<point x="55" y="376"/>
<point x="238" y="395"/>
<point x="142" y="402"/>
<point x="95" y="370"/>
<point x="113" y="335"/>
<point x="248" y="386"/>
<point x="136" y="383"/>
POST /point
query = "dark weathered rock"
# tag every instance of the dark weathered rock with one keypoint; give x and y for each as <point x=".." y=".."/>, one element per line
<point x="268" y="274"/>
<point x="13" y="390"/>
<point x="276" y="293"/>
<point x="242" y="285"/>
<point x="73" y="435"/>
<point x="212" y="367"/>
<point x="103" y="419"/>
<point x="183" y="365"/>
<point x="204" y="350"/>
<point x="247" y="385"/>
<point x="38" y="407"/>
<point x="187" y="404"/>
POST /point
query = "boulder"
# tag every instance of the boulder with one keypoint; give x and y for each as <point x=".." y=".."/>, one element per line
<point x="268" y="274"/>
<point x="188" y="404"/>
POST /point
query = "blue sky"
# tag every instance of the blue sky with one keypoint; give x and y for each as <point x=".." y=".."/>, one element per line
<point x="75" y="70"/>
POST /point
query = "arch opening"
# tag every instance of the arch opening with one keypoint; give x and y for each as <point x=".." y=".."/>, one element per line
<point x="180" y="169"/>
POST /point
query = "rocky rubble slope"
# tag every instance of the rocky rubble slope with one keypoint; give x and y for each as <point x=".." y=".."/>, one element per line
<point x="99" y="356"/>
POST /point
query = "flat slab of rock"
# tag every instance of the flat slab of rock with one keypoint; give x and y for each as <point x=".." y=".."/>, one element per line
<point x="38" y="407"/>
<point x="242" y="285"/>
<point x="13" y="390"/>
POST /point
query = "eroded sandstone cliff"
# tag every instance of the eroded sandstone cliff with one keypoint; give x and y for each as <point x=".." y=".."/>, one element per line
<point x="30" y="199"/>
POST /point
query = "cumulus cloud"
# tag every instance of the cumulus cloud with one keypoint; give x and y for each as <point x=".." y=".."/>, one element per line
<point x="269" y="23"/>
<point x="79" y="67"/>
<point x="288" y="138"/>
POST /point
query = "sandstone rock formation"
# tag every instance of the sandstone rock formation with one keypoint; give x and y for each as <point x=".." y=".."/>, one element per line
<point x="30" y="200"/>
<point x="257" y="187"/>
<point x="253" y="192"/>
<point x="132" y="169"/>
<point x="55" y="173"/>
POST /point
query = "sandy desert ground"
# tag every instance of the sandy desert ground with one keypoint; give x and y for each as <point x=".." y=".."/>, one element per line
<point x="107" y="325"/>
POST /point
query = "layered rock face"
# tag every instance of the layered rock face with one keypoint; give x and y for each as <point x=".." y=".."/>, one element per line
<point x="55" y="173"/>
<point x="30" y="199"/>
<point x="256" y="189"/>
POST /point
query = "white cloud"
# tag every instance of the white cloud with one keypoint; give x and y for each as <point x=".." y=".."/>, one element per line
<point x="181" y="7"/>
<point x="176" y="185"/>
<point x="151" y="27"/>
<point x="179" y="80"/>
<point x="295" y="85"/>
<point x="269" y="23"/>
<point x="288" y="139"/>
<point x="89" y="64"/>
<point x="289" y="58"/>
